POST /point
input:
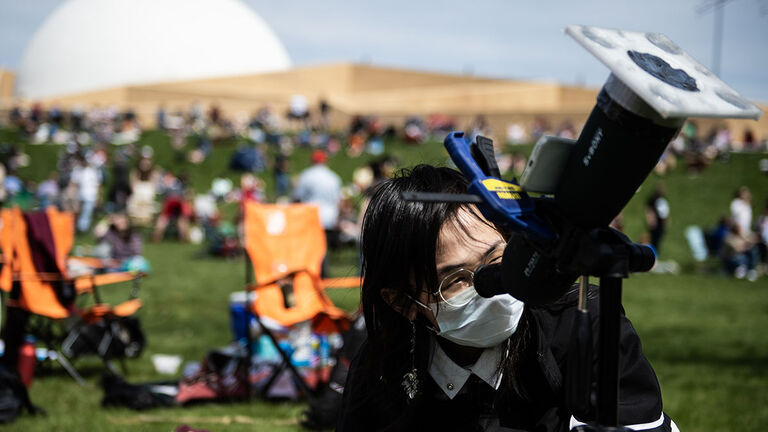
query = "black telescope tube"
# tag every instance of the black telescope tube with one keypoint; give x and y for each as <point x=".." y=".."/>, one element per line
<point x="620" y="144"/>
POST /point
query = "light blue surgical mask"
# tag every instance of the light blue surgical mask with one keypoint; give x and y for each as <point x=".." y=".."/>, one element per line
<point x="480" y="322"/>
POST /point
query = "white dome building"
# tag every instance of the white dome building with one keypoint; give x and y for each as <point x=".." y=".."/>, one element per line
<point x="87" y="45"/>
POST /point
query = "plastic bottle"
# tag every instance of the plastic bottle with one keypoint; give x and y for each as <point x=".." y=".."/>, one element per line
<point x="324" y="351"/>
<point x="27" y="360"/>
<point x="314" y="345"/>
<point x="237" y="315"/>
<point x="325" y="359"/>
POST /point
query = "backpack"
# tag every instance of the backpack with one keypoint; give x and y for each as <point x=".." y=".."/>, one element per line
<point x="13" y="397"/>
<point x="324" y="408"/>
<point x="118" y="392"/>
<point x="119" y="337"/>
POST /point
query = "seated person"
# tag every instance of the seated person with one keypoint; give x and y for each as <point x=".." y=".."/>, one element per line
<point x="716" y="236"/>
<point x="121" y="239"/>
<point x="740" y="253"/>
<point x="440" y="357"/>
<point x="177" y="208"/>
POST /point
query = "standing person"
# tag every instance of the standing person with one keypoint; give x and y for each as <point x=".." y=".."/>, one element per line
<point x="48" y="191"/>
<point x="325" y="111"/>
<point x="251" y="189"/>
<point x="160" y="118"/>
<point x="741" y="209"/>
<point x="298" y="111"/>
<point x="440" y="357"/>
<point x="144" y="179"/>
<point x="656" y="215"/>
<point x="120" y="190"/>
<point x="87" y="178"/>
<point x="3" y="193"/>
<point x="762" y="233"/>
<point x="282" y="179"/>
<point x="319" y="185"/>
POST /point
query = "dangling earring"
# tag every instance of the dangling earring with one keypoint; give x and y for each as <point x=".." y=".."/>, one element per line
<point x="411" y="379"/>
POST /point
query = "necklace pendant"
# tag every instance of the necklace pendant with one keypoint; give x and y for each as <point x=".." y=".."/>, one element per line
<point x="411" y="384"/>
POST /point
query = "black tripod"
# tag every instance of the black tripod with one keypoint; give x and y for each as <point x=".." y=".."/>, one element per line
<point x="610" y="255"/>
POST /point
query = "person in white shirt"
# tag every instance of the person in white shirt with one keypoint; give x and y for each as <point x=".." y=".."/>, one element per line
<point x="741" y="210"/>
<point x="319" y="185"/>
<point x="762" y="232"/>
<point x="88" y="180"/>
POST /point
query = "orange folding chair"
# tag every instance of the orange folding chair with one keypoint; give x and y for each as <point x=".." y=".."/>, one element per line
<point x="35" y="248"/>
<point x="286" y="245"/>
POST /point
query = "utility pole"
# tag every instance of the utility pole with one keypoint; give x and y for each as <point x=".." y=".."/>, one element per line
<point x="717" y="36"/>
<point x="718" y="11"/>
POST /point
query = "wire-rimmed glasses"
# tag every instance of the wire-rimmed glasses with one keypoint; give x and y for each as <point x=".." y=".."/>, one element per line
<point x="453" y="287"/>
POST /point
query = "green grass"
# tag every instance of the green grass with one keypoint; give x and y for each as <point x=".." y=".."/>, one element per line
<point x="705" y="337"/>
<point x="185" y="313"/>
<point x="703" y="333"/>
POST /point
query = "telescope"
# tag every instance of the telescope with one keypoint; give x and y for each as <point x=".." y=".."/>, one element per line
<point x="653" y="87"/>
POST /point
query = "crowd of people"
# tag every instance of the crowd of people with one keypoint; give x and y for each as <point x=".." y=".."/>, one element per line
<point x="119" y="184"/>
<point x="100" y="147"/>
<point x="737" y="241"/>
<point x="698" y="151"/>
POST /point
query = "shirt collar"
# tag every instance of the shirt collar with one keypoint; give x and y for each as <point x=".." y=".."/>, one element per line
<point x="451" y="377"/>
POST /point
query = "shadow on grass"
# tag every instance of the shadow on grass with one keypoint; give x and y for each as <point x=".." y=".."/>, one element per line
<point x="87" y="369"/>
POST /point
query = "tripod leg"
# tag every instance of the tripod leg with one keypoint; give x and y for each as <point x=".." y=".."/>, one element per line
<point x="608" y="381"/>
<point x="579" y="363"/>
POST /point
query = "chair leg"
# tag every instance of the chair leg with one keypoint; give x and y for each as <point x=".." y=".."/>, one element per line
<point x="105" y="343"/>
<point x="57" y="356"/>
<point x="285" y="364"/>
<point x="110" y="365"/>
<point x="275" y="374"/>
<point x="123" y="366"/>
<point x="104" y="346"/>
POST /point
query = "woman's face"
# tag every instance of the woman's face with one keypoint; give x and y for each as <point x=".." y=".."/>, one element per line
<point x="465" y="243"/>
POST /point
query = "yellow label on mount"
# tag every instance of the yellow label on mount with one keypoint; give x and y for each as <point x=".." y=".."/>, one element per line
<point x="502" y="189"/>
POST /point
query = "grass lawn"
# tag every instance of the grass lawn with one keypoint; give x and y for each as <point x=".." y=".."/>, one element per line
<point x="705" y="334"/>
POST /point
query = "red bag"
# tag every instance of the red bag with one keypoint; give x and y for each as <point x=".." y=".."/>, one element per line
<point x="222" y="376"/>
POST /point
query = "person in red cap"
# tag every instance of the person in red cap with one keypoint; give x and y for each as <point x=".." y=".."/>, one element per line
<point x="319" y="157"/>
<point x="319" y="185"/>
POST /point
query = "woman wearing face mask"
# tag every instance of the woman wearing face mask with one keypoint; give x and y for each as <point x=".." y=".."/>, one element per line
<point x="440" y="357"/>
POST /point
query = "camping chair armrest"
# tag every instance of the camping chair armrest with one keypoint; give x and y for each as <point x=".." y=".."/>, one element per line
<point x="290" y="275"/>
<point x="91" y="262"/>
<point x="332" y="283"/>
<point x="86" y="284"/>
<point x="342" y="282"/>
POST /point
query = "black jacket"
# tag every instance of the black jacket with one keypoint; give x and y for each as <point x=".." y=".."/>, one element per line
<point x="541" y="373"/>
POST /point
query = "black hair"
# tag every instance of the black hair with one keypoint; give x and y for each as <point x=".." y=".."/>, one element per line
<point x="399" y="246"/>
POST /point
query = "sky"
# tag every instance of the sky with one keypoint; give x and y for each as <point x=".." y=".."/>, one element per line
<point x="489" y="38"/>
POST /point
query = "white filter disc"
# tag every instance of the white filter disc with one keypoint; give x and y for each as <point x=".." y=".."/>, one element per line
<point x="663" y="74"/>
